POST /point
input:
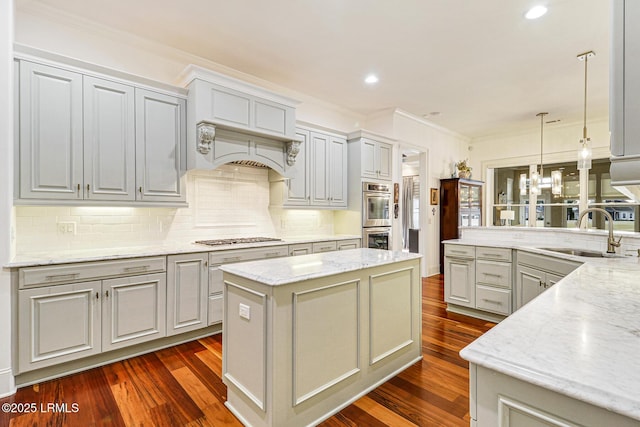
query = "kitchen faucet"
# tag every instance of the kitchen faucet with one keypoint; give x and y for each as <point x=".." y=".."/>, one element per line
<point x="611" y="242"/>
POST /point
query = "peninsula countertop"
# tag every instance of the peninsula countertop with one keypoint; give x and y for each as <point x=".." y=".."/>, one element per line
<point x="282" y="271"/>
<point x="580" y="338"/>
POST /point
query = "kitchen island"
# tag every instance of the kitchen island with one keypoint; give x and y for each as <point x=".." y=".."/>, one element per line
<point x="569" y="357"/>
<point x="305" y="336"/>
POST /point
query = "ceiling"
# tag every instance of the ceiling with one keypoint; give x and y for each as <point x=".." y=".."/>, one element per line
<point x="480" y="64"/>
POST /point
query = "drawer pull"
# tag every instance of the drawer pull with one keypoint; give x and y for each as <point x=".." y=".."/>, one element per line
<point x="492" y="301"/>
<point x="137" y="268"/>
<point x="457" y="252"/>
<point x="492" y="255"/>
<point x="325" y="248"/>
<point x="271" y="254"/>
<point x="232" y="258"/>
<point x="493" y="275"/>
<point x="62" y="276"/>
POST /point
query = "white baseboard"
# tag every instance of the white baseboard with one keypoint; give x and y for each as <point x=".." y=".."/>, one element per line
<point x="7" y="383"/>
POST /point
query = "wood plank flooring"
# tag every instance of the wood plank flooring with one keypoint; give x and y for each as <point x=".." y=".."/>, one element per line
<point x="181" y="386"/>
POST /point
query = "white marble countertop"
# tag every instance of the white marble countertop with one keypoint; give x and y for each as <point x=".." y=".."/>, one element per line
<point x="281" y="271"/>
<point x="580" y="338"/>
<point x="167" y="248"/>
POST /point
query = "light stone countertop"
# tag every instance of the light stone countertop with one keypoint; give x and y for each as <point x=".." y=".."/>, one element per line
<point x="580" y="338"/>
<point x="282" y="271"/>
<point x="167" y="248"/>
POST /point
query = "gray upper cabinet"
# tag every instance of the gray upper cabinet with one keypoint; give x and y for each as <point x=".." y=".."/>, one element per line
<point x="320" y="179"/>
<point x="624" y="109"/>
<point x="298" y="188"/>
<point x="160" y="138"/>
<point x="86" y="139"/>
<point x="374" y="153"/>
<point x="109" y="140"/>
<point x="50" y="133"/>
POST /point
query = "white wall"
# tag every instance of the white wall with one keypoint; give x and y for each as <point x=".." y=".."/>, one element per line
<point x="7" y="385"/>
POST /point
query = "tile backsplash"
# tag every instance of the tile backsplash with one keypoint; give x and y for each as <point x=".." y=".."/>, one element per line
<point x="231" y="201"/>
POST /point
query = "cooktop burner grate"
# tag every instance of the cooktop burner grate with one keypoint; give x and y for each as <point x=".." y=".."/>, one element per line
<point x="239" y="240"/>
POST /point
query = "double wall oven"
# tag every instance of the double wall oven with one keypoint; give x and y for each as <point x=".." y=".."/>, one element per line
<point x="376" y="215"/>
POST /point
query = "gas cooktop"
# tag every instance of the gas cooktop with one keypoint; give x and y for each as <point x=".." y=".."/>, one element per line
<point x="239" y="240"/>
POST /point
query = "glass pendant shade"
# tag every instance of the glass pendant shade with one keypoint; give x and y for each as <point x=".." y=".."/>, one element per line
<point x="534" y="183"/>
<point x="523" y="184"/>
<point x="556" y="182"/>
<point x="584" y="156"/>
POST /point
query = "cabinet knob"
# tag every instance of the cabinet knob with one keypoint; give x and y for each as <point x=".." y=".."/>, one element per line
<point x="88" y="190"/>
<point x="140" y="189"/>
<point x="97" y="295"/>
<point x="107" y="293"/>
<point x="78" y="190"/>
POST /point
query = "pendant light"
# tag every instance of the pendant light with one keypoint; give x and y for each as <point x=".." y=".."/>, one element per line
<point x="584" y="154"/>
<point x="537" y="181"/>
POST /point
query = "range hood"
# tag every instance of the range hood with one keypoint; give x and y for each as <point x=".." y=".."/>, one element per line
<point x="229" y="120"/>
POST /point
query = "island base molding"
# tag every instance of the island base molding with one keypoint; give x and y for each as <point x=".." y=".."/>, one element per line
<point x="499" y="400"/>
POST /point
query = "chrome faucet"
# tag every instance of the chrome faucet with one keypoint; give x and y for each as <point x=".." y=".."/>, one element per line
<point x="611" y="241"/>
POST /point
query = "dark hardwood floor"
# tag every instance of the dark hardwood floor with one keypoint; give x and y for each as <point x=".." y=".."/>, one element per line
<point x="181" y="386"/>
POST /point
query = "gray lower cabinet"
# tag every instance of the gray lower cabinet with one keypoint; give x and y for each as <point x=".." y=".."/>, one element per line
<point x="187" y="292"/>
<point x="133" y="310"/>
<point x="460" y="275"/>
<point x="494" y="280"/>
<point x="536" y="273"/>
<point x="64" y="316"/>
<point x="59" y="323"/>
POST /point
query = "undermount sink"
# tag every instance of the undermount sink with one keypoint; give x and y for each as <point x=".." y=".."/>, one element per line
<point x="579" y="252"/>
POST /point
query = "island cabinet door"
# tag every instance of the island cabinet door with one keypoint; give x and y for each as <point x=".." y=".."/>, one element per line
<point x="58" y="324"/>
<point x="187" y="292"/>
<point x="459" y="281"/>
<point x="133" y="310"/>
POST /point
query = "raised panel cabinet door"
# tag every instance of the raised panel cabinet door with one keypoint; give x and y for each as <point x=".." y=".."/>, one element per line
<point x="109" y="140"/>
<point x="187" y="292"/>
<point x="58" y="324"/>
<point x="51" y="159"/>
<point x="459" y="282"/>
<point x="319" y="153"/>
<point x="338" y="172"/>
<point x="528" y="284"/>
<point x="298" y="187"/>
<point x="160" y="143"/>
<point x="368" y="159"/>
<point x="133" y="310"/>
<point x="384" y="160"/>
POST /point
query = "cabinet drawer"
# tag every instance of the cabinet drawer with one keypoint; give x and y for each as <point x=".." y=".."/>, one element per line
<point x="493" y="299"/>
<point x="493" y="273"/>
<point x="348" y="244"/>
<point x="300" y="249"/>
<point x="325" y="247"/>
<point x="215" y="309"/>
<point x="239" y="255"/>
<point x="67" y="273"/>
<point x="459" y="251"/>
<point x="497" y="254"/>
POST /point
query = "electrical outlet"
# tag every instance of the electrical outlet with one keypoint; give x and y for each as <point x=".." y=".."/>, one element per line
<point x="245" y="311"/>
<point x="67" y="227"/>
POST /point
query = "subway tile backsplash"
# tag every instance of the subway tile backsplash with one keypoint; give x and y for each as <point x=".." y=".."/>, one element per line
<point x="231" y="201"/>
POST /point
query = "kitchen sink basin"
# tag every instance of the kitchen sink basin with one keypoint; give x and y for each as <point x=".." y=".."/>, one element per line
<point x="579" y="252"/>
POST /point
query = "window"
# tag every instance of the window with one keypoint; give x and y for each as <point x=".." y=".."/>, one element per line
<point x="562" y="210"/>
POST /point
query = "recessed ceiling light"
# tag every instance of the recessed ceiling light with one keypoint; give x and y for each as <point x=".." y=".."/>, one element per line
<point x="536" y="12"/>
<point x="371" y="79"/>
